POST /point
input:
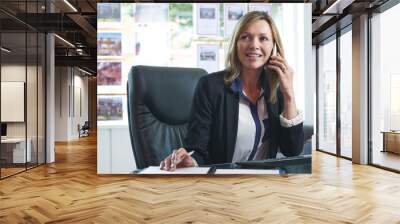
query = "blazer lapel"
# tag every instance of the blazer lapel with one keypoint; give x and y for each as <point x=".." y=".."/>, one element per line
<point x="231" y="116"/>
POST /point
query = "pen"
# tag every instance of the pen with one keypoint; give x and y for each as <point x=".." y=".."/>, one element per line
<point x="190" y="153"/>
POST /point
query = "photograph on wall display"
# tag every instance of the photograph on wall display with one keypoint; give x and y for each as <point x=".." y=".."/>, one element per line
<point x="207" y="19"/>
<point x="108" y="73"/>
<point x="232" y="13"/>
<point x="108" y="12"/>
<point x="145" y="13"/>
<point x="109" y="44"/>
<point x="207" y="57"/>
<point x="109" y="108"/>
<point x="207" y="13"/>
<point x="150" y="39"/>
<point x="137" y="47"/>
<point x="263" y="7"/>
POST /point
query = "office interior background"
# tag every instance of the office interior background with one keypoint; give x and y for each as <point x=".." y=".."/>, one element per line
<point x="48" y="83"/>
<point x="49" y="78"/>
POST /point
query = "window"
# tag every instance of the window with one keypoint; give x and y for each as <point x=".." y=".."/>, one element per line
<point x="385" y="85"/>
<point x="327" y="96"/>
<point x="346" y="94"/>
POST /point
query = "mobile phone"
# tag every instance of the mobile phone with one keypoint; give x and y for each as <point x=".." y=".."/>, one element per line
<point x="274" y="50"/>
<point x="273" y="53"/>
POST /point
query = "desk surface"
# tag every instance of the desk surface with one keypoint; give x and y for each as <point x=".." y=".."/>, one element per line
<point x="390" y="132"/>
<point x="13" y="140"/>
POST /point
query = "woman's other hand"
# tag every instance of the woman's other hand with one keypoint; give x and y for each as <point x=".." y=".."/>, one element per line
<point x="179" y="158"/>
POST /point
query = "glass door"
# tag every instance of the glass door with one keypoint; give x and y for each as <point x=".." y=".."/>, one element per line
<point x="13" y="94"/>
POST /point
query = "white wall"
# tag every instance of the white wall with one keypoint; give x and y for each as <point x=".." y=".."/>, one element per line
<point x="16" y="73"/>
<point x="13" y="73"/>
<point x="61" y="103"/>
<point x="71" y="94"/>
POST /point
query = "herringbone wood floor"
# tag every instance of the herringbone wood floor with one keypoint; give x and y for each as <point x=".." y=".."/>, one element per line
<point x="70" y="191"/>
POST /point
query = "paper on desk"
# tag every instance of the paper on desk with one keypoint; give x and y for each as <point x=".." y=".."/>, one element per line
<point x="246" y="171"/>
<point x="190" y="170"/>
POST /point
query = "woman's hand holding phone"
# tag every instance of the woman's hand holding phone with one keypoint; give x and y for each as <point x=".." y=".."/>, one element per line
<point x="285" y="73"/>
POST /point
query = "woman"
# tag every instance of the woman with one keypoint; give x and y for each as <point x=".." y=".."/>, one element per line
<point x="247" y="111"/>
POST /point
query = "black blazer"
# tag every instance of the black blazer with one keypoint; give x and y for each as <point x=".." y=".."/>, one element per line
<point x="213" y="123"/>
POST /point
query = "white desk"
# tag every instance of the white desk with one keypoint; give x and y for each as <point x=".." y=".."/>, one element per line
<point x="18" y="149"/>
<point x="391" y="141"/>
<point x="114" y="150"/>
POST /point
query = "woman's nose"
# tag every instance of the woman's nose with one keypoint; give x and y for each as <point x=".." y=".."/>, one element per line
<point x="254" y="43"/>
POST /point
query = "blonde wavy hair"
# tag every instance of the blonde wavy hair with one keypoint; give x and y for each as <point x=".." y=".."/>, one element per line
<point x="232" y="63"/>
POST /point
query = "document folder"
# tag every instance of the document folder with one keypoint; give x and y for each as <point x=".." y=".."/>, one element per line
<point x="185" y="171"/>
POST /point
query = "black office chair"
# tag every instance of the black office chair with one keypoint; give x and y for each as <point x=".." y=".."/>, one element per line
<point x="84" y="132"/>
<point x="159" y="103"/>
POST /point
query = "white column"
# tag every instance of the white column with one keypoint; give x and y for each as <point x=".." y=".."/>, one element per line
<point x="309" y="69"/>
<point x="50" y="101"/>
<point x="360" y="90"/>
<point x="62" y="102"/>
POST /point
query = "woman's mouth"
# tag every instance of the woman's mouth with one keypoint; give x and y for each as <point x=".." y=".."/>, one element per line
<point x="253" y="55"/>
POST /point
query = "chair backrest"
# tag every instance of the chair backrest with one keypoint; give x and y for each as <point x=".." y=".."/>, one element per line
<point x="159" y="103"/>
<point x="86" y="125"/>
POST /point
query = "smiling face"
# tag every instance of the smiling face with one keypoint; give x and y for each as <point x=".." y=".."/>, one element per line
<point x="254" y="45"/>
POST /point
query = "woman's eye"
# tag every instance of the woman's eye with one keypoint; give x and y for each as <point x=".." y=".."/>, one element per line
<point x="245" y="37"/>
<point x="263" y="38"/>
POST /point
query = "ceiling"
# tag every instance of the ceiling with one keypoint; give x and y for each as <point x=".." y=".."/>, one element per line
<point x="76" y="25"/>
<point x="329" y="16"/>
<point x="76" y="22"/>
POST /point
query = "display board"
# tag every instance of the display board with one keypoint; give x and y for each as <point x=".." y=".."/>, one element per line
<point x="12" y="101"/>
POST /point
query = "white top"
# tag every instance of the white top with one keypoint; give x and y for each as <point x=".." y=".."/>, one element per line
<point x="252" y="126"/>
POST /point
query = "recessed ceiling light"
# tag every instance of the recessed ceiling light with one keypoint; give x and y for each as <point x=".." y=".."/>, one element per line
<point x="337" y="7"/>
<point x="64" y="40"/>
<point x="5" y="50"/>
<point x="70" y="5"/>
<point x="86" y="72"/>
